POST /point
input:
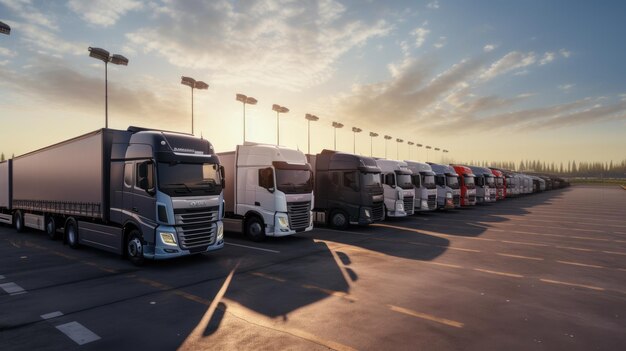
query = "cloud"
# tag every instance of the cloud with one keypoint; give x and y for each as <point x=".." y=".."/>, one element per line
<point x="565" y="53"/>
<point x="441" y="42"/>
<point x="103" y="12"/>
<point x="7" y="52"/>
<point x="433" y="5"/>
<point x="283" y="43"/>
<point x="566" y="87"/>
<point x="547" y="58"/>
<point x="38" y="39"/>
<point x="29" y="13"/>
<point x="509" y="62"/>
<point x="420" y="35"/>
<point x="489" y="47"/>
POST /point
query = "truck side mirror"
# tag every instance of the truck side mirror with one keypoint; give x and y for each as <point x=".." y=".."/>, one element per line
<point x="223" y="176"/>
<point x="266" y="179"/>
<point x="145" y="177"/>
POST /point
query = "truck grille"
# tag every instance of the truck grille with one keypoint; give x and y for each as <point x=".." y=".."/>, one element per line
<point x="195" y="227"/>
<point x="377" y="211"/>
<point x="299" y="215"/>
<point x="432" y="201"/>
<point x="472" y="199"/>
<point x="493" y="197"/>
<point x="456" y="199"/>
<point x="409" y="203"/>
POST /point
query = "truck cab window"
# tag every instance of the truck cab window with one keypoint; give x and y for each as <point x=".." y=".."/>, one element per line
<point x="351" y="180"/>
<point x="128" y="175"/>
<point x="266" y="178"/>
<point x="145" y="175"/>
<point x="390" y="179"/>
<point x="440" y="180"/>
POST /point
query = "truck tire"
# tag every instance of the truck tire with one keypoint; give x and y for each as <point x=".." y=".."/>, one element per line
<point x="134" y="248"/>
<point x="51" y="228"/>
<point x="71" y="233"/>
<point x="339" y="219"/>
<point x="18" y="219"/>
<point x="254" y="229"/>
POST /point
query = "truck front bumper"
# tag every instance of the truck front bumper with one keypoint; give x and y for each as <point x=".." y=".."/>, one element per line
<point x="164" y="249"/>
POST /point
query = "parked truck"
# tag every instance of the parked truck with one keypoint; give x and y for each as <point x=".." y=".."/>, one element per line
<point x="268" y="191"/>
<point x="467" y="184"/>
<point x="141" y="193"/>
<point x="448" y="190"/>
<point x="398" y="188"/>
<point x="500" y="184"/>
<point x="347" y="190"/>
<point x="423" y="179"/>
<point x="485" y="184"/>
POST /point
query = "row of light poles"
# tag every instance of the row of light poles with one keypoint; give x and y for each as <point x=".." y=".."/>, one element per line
<point x="4" y="28"/>
<point x="106" y="57"/>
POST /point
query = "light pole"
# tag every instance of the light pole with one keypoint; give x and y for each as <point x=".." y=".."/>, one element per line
<point x="354" y="131"/>
<point x="105" y="57"/>
<point x="418" y="153"/>
<point x="410" y="144"/>
<point x="445" y="152"/>
<point x="245" y="100"/>
<point x="437" y="149"/>
<point x="427" y="148"/>
<point x="309" y="118"/>
<point x="194" y="84"/>
<point x="372" y="136"/>
<point x="336" y="125"/>
<point x="4" y="28"/>
<point x="387" y="137"/>
<point x="398" y="148"/>
<point x="279" y="109"/>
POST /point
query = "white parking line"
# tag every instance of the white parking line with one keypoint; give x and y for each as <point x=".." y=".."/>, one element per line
<point x="12" y="288"/>
<point x="253" y="247"/>
<point x="78" y="333"/>
<point x="51" y="315"/>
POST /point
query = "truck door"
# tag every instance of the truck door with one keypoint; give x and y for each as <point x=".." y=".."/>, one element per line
<point x="144" y="198"/>
<point x="265" y="199"/>
<point x="127" y="191"/>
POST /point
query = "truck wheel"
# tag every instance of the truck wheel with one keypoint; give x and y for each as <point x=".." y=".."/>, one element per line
<point x="19" y="222"/>
<point x="255" y="230"/>
<point x="134" y="248"/>
<point x="339" y="220"/>
<point x="71" y="233"/>
<point x="51" y="228"/>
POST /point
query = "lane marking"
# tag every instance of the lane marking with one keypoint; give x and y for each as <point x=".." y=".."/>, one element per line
<point x="444" y="247"/>
<point x="425" y="316"/>
<point x="614" y="253"/>
<point x="499" y="273"/>
<point x="575" y="248"/>
<point x="51" y="315"/>
<point x="580" y="264"/>
<point x="78" y="333"/>
<point x="524" y="243"/>
<point x="270" y="277"/>
<point x="442" y="264"/>
<point x="519" y="256"/>
<point x="253" y="247"/>
<point x="12" y="288"/>
<point x="572" y="284"/>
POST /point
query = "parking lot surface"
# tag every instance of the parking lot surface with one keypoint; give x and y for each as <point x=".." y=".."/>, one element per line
<point x="540" y="272"/>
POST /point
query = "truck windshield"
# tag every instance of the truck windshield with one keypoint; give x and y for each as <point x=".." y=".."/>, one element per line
<point x="490" y="182"/>
<point x="510" y="182"/>
<point x="189" y="179"/>
<point x="469" y="182"/>
<point x="480" y="181"/>
<point x="294" y="181"/>
<point x="500" y="182"/>
<point x="453" y="182"/>
<point x="404" y="181"/>
<point x="428" y="181"/>
<point x="416" y="180"/>
<point x="370" y="179"/>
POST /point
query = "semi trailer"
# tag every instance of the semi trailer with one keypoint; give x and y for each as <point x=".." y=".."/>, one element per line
<point x="448" y="190"/>
<point x="467" y="184"/>
<point x="423" y="179"/>
<point x="485" y="184"/>
<point x="398" y="188"/>
<point x="347" y="189"/>
<point x="138" y="192"/>
<point x="268" y="191"/>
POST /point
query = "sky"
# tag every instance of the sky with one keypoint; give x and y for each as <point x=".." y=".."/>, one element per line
<point x="486" y="80"/>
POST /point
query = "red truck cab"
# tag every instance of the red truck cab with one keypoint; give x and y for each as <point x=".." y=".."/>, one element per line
<point x="466" y="182"/>
<point x="500" y="184"/>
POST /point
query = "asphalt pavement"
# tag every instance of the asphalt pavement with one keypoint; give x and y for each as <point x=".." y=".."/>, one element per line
<point x="540" y="272"/>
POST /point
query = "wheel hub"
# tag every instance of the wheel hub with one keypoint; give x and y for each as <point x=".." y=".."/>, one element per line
<point x="134" y="247"/>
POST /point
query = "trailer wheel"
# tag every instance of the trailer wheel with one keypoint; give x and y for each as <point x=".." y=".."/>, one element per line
<point x="51" y="228"/>
<point x="254" y="229"/>
<point x="19" y="221"/>
<point x="71" y="233"/>
<point x="339" y="219"/>
<point x="134" y="248"/>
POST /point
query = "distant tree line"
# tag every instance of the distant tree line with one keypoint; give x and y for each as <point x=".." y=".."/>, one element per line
<point x="570" y="169"/>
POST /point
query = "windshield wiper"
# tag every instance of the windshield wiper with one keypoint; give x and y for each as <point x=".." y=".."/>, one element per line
<point x="177" y="185"/>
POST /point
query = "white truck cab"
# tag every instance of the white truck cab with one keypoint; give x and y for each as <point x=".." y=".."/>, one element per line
<point x="268" y="191"/>
<point x="448" y="189"/>
<point x="398" y="187"/>
<point x="425" y="189"/>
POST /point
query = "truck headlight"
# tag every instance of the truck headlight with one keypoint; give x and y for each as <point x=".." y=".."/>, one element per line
<point x="448" y="195"/>
<point x="283" y="222"/>
<point x="168" y="238"/>
<point x="367" y="213"/>
<point x="220" y="232"/>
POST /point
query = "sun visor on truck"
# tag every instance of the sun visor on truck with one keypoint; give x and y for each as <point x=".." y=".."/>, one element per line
<point x="291" y="166"/>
